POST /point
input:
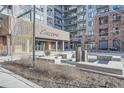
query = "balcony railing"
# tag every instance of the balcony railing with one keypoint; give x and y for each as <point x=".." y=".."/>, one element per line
<point x="101" y="6"/>
<point x="58" y="8"/>
<point x="76" y="38"/>
<point x="70" y="16"/>
<point x="72" y="23"/>
<point x="72" y="8"/>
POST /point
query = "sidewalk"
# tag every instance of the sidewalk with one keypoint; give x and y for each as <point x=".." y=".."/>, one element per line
<point x="10" y="80"/>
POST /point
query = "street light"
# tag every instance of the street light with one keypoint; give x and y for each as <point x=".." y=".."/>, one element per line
<point x="33" y="35"/>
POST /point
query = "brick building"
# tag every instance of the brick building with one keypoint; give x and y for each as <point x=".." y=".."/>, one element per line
<point x="109" y="30"/>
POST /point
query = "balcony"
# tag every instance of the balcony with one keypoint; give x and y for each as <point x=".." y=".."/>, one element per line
<point x="58" y="8"/>
<point x="81" y="20"/>
<point x="81" y="28"/>
<point x="58" y="16"/>
<point x="70" y="16"/>
<point x="72" y="23"/>
<point x="72" y="8"/>
<point x="76" y="38"/>
<point x="101" y="6"/>
<point x="59" y="24"/>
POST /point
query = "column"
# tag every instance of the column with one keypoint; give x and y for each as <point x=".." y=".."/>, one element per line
<point x="56" y="46"/>
<point x="68" y="45"/>
<point x="27" y="46"/>
<point x="8" y="45"/>
<point x="63" y="45"/>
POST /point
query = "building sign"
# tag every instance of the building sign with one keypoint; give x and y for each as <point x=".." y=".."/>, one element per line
<point x="44" y="32"/>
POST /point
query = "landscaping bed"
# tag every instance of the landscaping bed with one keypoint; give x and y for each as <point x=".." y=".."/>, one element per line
<point x="50" y="75"/>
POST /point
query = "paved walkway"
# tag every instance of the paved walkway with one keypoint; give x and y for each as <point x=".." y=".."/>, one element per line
<point x="10" y="80"/>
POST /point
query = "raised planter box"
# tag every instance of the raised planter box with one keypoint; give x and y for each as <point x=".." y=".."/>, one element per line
<point x="99" y="68"/>
<point x="46" y="60"/>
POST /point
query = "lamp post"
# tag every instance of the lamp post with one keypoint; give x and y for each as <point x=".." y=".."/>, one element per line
<point x="33" y="35"/>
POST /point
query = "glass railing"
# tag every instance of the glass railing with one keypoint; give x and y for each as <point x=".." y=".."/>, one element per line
<point x="71" y="8"/>
<point x="101" y="6"/>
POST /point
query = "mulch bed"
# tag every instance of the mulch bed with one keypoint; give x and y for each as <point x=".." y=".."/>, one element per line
<point x="48" y="80"/>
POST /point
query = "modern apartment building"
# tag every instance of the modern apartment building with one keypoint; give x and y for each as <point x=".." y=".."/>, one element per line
<point x="109" y="27"/>
<point x="89" y="36"/>
<point x="75" y="23"/>
<point x="93" y="26"/>
<point x="49" y="34"/>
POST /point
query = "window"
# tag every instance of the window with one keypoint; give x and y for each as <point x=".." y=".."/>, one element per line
<point x="24" y="9"/>
<point x="9" y="6"/>
<point x="103" y="20"/>
<point x="80" y="18"/>
<point x="103" y="32"/>
<point x="116" y="30"/>
<point x="57" y="21"/>
<point x="39" y="17"/>
<point x="103" y="44"/>
<point x="39" y="8"/>
<point x="116" y="43"/>
<point x="89" y="6"/>
<point x="50" y="21"/>
<point x="90" y="23"/>
<point x="116" y="7"/>
<point x="90" y="15"/>
<point x="49" y="11"/>
<point x="90" y="33"/>
<point x="58" y="14"/>
<point x="116" y="17"/>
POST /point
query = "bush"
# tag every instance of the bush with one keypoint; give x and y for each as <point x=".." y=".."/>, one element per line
<point x="47" y="52"/>
<point x="54" y="71"/>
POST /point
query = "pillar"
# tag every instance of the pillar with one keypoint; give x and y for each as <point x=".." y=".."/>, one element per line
<point x="69" y="45"/>
<point x="27" y="46"/>
<point x="8" y="45"/>
<point x="56" y="46"/>
<point x="63" y="45"/>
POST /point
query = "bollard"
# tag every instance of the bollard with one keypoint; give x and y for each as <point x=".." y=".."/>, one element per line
<point x="81" y="55"/>
<point x="78" y="54"/>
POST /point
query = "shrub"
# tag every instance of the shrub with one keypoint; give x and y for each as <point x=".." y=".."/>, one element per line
<point x="47" y="52"/>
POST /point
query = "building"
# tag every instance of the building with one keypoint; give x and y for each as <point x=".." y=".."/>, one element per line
<point x="18" y="20"/>
<point x="109" y="27"/>
<point x="89" y="36"/>
<point x="75" y="23"/>
<point x="90" y="26"/>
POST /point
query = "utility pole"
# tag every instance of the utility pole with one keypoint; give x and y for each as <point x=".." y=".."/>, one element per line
<point x="33" y="35"/>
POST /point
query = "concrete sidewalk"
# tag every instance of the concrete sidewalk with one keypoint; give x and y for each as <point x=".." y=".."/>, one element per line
<point x="10" y="80"/>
